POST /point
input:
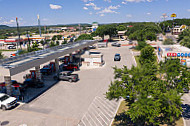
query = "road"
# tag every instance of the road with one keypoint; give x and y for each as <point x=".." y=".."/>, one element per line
<point x="186" y="108"/>
<point x="65" y="104"/>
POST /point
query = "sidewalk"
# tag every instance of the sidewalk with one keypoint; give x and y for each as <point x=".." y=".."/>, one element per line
<point x="32" y="93"/>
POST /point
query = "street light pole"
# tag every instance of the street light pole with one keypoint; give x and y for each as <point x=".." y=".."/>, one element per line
<point x="18" y="33"/>
<point x="28" y="41"/>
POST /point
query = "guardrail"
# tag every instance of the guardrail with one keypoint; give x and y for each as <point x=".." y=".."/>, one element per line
<point x="40" y="52"/>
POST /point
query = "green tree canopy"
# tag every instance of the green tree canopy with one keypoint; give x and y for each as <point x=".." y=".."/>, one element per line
<point x="147" y="55"/>
<point x="152" y="100"/>
<point x="168" y="41"/>
<point x="121" y="28"/>
<point x="84" y="37"/>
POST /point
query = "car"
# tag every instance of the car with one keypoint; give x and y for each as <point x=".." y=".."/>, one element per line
<point x="92" y="47"/>
<point x="130" y="42"/>
<point x="117" y="57"/>
<point x="116" y="44"/>
<point x="160" y="38"/>
<point x="11" y="47"/>
<point x="185" y="90"/>
<point x="66" y="75"/>
<point x="35" y="83"/>
<point x="7" y="101"/>
<point x="71" y="67"/>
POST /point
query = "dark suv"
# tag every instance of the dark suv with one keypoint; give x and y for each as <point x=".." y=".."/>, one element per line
<point x="117" y="57"/>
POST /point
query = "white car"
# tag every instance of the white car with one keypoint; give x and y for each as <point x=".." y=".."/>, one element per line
<point x="7" y="101"/>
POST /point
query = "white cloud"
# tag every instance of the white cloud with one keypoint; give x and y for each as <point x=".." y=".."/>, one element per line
<point x="1" y="18"/>
<point x="85" y="8"/>
<point x="55" y="7"/>
<point x="87" y="0"/>
<point x="114" y="7"/>
<point x="102" y="15"/>
<point x="188" y="10"/>
<point x="90" y="4"/>
<point x="90" y="13"/>
<point x="148" y="13"/>
<point x="124" y="2"/>
<point x="128" y="15"/>
<point x="93" y="6"/>
<point x="96" y="8"/>
<point x="108" y="1"/>
<point x="107" y="10"/>
<point x="8" y="22"/>
<point x="137" y="1"/>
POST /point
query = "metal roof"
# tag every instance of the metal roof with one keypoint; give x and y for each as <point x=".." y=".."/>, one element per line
<point x="15" y="65"/>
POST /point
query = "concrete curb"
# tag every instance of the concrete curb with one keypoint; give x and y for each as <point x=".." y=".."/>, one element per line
<point x="184" y="122"/>
<point x="116" y="110"/>
<point x="133" y="58"/>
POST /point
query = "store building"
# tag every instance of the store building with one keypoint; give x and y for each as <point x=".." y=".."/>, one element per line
<point x="178" y="29"/>
<point x="94" y="59"/>
<point x="174" y="51"/>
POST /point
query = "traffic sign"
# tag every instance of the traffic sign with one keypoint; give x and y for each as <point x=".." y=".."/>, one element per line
<point x="173" y="15"/>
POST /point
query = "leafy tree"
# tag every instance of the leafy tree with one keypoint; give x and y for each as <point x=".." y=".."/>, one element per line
<point x="152" y="100"/>
<point x="150" y="36"/>
<point x="185" y="41"/>
<point x="101" y="31"/>
<point x="35" y="47"/>
<point x="110" y="30"/>
<point x="54" y="37"/>
<point x="185" y="33"/>
<point x="52" y="44"/>
<point x="59" y="37"/>
<point x="147" y="55"/>
<point x="84" y="37"/>
<point x="121" y="28"/>
<point x="93" y="34"/>
<point x="141" y="45"/>
<point x="168" y="41"/>
<point x="1" y="55"/>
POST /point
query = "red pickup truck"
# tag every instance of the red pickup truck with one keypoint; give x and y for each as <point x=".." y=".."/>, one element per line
<point x="71" y="67"/>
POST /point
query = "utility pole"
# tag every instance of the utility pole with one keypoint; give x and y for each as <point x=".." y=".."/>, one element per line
<point x="18" y="33"/>
<point x="28" y="42"/>
<point x="79" y="30"/>
<point x="39" y="25"/>
<point x="164" y="16"/>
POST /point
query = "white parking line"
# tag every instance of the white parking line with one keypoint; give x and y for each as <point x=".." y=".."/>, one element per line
<point x="104" y="115"/>
<point x="100" y="115"/>
<point x="105" y="107"/>
<point x="107" y="103"/>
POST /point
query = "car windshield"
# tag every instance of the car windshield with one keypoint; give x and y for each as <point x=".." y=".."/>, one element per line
<point x="117" y="54"/>
<point x="3" y="98"/>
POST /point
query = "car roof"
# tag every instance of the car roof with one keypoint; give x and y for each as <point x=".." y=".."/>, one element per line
<point x="2" y="94"/>
<point x="66" y="72"/>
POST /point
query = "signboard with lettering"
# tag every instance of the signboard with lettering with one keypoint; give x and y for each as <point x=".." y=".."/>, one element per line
<point x="178" y="54"/>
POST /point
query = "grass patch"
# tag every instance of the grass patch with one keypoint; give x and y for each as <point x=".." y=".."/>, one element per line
<point x="1" y="50"/>
<point x="122" y="108"/>
<point x="137" y="61"/>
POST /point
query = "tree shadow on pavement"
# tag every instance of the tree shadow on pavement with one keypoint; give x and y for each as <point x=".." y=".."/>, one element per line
<point x="186" y="111"/>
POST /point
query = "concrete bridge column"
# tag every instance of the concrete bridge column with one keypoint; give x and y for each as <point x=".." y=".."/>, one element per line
<point x="38" y="74"/>
<point x="8" y="84"/>
<point x="57" y="65"/>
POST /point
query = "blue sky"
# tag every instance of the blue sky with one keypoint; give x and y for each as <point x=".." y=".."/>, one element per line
<point x="87" y="11"/>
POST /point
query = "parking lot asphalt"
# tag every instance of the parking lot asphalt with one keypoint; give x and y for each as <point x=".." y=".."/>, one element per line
<point x="66" y="103"/>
